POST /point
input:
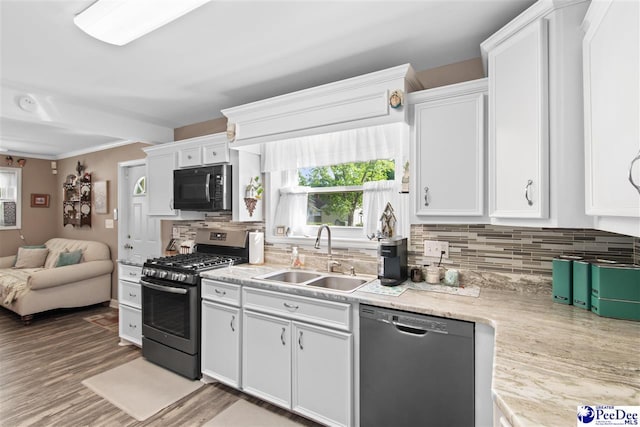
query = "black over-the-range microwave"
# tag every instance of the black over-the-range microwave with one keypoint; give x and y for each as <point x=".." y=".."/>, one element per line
<point x="206" y="189"/>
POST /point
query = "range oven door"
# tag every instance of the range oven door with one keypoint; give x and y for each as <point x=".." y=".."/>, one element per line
<point x="171" y="314"/>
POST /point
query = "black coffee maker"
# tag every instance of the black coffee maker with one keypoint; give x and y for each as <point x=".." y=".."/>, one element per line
<point x="392" y="261"/>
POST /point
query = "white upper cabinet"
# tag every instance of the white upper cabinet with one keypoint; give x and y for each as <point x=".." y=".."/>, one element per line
<point x="536" y="138"/>
<point x="202" y="150"/>
<point x="160" y="166"/>
<point x="518" y="127"/>
<point x="612" y="114"/>
<point x="448" y="140"/>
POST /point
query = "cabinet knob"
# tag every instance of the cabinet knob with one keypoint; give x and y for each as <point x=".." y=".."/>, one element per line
<point x="189" y="156"/>
<point x="213" y="153"/>
<point x="526" y="193"/>
<point x="636" y="186"/>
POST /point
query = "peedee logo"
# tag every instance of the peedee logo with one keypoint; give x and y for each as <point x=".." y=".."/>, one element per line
<point x="586" y="414"/>
<point x="606" y="415"/>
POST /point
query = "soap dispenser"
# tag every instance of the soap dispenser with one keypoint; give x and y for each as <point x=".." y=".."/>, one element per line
<point x="295" y="258"/>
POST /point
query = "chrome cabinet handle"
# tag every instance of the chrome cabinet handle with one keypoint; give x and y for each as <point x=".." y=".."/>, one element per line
<point x="132" y="295"/>
<point x="130" y="273"/>
<point x="282" y="337"/>
<point x="636" y="186"/>
<point x="219" y="292"/>
<point x="233" y="317"/>
<point x="300" y="341"/>
<point x="526" y="192"/>
<point x="426" y="196"/>
<point x="132" y="326"/>
<point x="291" y="306"/>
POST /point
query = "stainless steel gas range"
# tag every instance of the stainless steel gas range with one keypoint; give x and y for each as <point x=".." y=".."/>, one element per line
<point x="171" y="298"/>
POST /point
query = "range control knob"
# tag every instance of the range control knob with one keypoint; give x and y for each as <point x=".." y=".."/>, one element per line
<point x="162" y="274"/>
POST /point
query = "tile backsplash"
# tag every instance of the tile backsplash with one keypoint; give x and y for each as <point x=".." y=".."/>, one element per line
<point x="518" y="257"/>
<point x="519" y="250"/>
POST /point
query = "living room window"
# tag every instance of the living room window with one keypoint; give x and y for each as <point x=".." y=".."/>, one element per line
<point x="10" y="198"/>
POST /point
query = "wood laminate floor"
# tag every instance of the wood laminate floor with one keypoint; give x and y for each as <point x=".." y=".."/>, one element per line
<point x="42" y="366"/>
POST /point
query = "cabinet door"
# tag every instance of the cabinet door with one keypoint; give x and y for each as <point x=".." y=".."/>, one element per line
<point x="215" y="152"/>
<point x="160" y="183"/>
<point x="190" y="156"/>
<point x="130" y="324"/>
<point x="518" y="125"/>
<point x="612" y="107"/>
<point x="322" y="374"/>
<point x="449" y="138"/>
<point x="221" y="329"/>
<point x="266" y="357"/>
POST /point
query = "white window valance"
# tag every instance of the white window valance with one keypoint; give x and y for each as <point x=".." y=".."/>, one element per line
<point x="354" y="145"/>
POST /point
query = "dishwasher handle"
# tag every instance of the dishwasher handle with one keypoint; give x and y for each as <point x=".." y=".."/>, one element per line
<point x="413" y="329"/>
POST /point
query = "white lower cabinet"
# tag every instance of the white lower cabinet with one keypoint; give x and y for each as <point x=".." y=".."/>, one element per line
<point x="130" y="304"/>
<point x="298" y="365"/>
<point x="221" y="332"/>
<point x="266" y="358"/>
<point x="221" y="328"/>
<point x="322" y="378"/>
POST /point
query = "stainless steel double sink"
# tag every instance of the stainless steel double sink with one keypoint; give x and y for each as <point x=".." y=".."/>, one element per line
<point x="316" y="279"/>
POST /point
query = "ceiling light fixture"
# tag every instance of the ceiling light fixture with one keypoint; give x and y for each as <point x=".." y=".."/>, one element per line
<point x="120" y="21"/>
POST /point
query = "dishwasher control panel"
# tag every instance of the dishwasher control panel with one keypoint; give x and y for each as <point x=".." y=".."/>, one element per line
<point x="421" y="322"/>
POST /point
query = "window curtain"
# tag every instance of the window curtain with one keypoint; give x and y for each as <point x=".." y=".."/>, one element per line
<point x="354" y="145"/>
<point x="291" y="210"/>
<point x="375" y="196"/>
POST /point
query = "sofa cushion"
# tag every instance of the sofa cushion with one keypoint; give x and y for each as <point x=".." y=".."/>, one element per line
<point x="31" y="257"/>
<point x="28" y="247"/>
<point x="69" y="258"/>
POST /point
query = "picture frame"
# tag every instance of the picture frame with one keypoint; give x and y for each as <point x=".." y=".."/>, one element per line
<point x="100" y="200"/>
<point x="40" y="200"/>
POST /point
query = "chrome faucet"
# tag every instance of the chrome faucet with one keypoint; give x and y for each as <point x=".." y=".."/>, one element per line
<point x="330" y="262"/>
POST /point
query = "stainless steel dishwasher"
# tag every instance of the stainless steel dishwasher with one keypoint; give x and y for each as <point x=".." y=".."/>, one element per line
<point x="415" y="370"/>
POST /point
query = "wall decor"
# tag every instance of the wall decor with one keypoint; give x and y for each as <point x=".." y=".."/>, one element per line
<point x="100" y="197"/>
<point x="76" y="204"/>
<point x="39" y="200"/>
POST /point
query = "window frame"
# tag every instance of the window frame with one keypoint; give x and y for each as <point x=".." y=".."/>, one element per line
<point x="18" y="173"/>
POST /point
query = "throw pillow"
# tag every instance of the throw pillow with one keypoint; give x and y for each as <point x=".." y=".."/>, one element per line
<point x="69" y="258"/>
<point x="31" y="257"/>
<point x="28" y="247"/>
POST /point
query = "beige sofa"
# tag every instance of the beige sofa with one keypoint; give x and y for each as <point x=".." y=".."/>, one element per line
<point x="27" y="291"/>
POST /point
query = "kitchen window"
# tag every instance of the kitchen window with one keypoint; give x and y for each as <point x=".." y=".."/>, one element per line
<point x="343" y="179"/>
<point x="10" y="198"/>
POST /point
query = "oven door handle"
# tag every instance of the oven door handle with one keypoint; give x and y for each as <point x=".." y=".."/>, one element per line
<point x="163" y="288"/>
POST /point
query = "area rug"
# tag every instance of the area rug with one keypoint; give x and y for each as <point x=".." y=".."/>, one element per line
<point x="246" y="414"/>
<point x="141" y="388"/>
<point x="108" y="321"/>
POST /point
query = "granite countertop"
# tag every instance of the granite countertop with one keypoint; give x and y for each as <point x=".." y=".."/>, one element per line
<point x="549" y="358"/>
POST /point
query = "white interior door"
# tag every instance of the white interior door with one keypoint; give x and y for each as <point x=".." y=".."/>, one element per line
<point x="140" y="232"/>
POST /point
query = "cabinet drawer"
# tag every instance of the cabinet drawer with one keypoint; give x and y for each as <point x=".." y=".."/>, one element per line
<point x="130" y="294"/>
<point x="130" y="273"/>
<point x="321" y="312"/>
<point x="188" y="157"/>
<point x="130" y="327"/>
<point x="217" y="152"/>
<point x="227" y="293"/>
